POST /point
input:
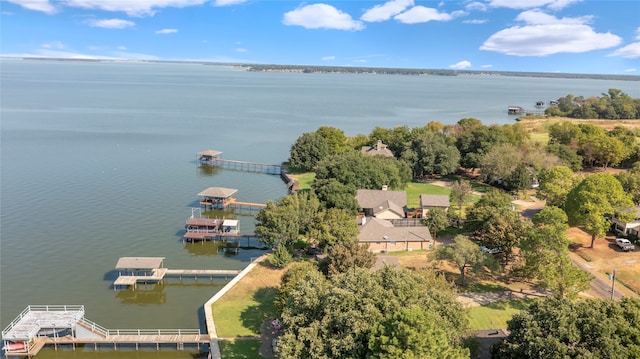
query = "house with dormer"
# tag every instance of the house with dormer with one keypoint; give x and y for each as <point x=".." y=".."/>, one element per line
<point x="378" y="149"/>
<point x="383" y="204"/>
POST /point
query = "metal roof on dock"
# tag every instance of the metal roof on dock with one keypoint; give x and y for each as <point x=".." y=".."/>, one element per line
<point x="218" y="192"/>
<point x="211" y="153"/>
<point x="139" y="262"/>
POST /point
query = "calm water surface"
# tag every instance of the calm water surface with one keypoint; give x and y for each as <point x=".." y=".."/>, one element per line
<point x="97" y="162"/>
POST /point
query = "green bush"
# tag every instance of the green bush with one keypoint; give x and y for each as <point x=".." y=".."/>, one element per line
<point x="281" y="257"/>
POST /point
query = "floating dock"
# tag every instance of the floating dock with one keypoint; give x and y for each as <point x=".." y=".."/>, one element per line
<point x="41" y="325"/>
<point x="212" y="158"/>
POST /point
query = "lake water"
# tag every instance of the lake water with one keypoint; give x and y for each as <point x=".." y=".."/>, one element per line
<point x="97" y="163"/>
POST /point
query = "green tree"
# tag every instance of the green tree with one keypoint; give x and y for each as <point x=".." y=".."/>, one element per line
<point x="334" y="194"/>
<point x="436" y="220"/>
<point x="482" y="210"/>
<point x="334" y="226"/>
<point x="555" y="185"/>
<point x="477" y="142"/>
<point x="348" y="256"/>
<point x="430" y="154"/>
<point x="567" y="155"/>
<point x="308" y="150"/>
<point x="334" y="137"/>
<point x="503" y="228"/>
<point x="594" y="197"/>
<point x="412" y="333"/>
<point x="297" y="272"/>
<point x="520" y="179"/>
<point x="465" y="254"/>
<point x="282" y="222"/>
<point x="630" y="181"/>
<point x="559" y="328"/>
<point x="460" y="191"/>
<point x="500" y="162"/>
<point x="546" y="255"/>
<point x="338" y="317"/>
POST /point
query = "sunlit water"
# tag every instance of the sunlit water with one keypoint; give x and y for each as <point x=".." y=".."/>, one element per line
<point x="97" y="163"/>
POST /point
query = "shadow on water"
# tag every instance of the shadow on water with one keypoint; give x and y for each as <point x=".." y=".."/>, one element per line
<point x="208" y="170"/>
<point x="143" y="294"/>
<point x="256" y="314"/>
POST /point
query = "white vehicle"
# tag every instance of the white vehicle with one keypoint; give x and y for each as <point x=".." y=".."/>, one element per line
<point x="625" y="244"/>
<point x="490" y="250"/>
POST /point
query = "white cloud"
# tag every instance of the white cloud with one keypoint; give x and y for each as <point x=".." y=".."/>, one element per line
<point x="241" y="49"/>
<point x="546" y="35"/>
<point x="419" y="14"/>
<point x="132" y="8"/>
<point x="53" y="45"/>
<point x="121" y="48"/>
<point x="530" y="4"/>
<point x="631" y="51"/>
<point x="476" y="21"/>
<point x="110" y="23"/>
<point x="362" y="61"/>
<point x="535" y="17"/>
<point x="630" y="70"/>
<point x="328" y="58"/>
<point x="37" y="5"/>
<point x="166" y="31"/>
<point x="6" y="13"/>
<point x="228" y="2"/>
<point x="488" y="66"/>
<point x="385" y="11"/>
<point x="476" y="6"/>
<point x="460" y="65"/>
<point x="321" y="16"/>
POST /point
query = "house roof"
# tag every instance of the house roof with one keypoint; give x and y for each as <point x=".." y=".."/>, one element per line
<point x="373" y="198"/>
<point x="378" y="149"/>
<point x="390" y="206"/>
<point x="434" y="200"/>
<point x="379" y="230"/>
<point x="230" y="223"/>
<point x="212" y="153"/>
<point x="218" y="192"/>
<point x="139" y="262"/>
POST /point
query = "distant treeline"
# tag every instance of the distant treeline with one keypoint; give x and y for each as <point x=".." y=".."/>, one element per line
<point x="613" y="105"/>
<point x="424" y="72"/>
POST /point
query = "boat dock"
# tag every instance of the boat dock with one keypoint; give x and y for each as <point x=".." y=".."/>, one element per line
<point x="41" y="325"/>
<point x="134" y="270"/>
<point x="212" y="158"/>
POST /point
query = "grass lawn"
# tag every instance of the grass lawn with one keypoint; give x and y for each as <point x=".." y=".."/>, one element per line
<point x="415" y="189"/>
<point x="242" y="310"/>
<point x="495" y="315"/>
<point x="240" y="349"/>
<point x="305" y="179"/>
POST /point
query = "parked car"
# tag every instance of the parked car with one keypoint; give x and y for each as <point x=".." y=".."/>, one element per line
<point x="490" y="250"/>
<point x="625" y="244"/>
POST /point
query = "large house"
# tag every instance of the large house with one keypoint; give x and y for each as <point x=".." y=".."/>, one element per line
<point x="379" y="149"/>
<point x="383" y="236"/>
<point x="382" y="204"/>
<point x="628" y="228"/>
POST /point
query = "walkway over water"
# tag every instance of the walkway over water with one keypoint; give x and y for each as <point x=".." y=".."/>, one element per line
<point x="212" y="158"/>
<point x="150" y="269"/>
<point x="40" y="325"/>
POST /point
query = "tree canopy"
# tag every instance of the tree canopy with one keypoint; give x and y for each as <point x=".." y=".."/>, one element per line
<point x="594" y="197"/>
<point x="612" y="105"/>
<point x="558" y="328"/>
<point x="363" y="314"/>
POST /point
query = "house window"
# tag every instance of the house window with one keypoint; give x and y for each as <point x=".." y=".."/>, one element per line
<point x="393" y="243"/>
<point x="378" y="242"/>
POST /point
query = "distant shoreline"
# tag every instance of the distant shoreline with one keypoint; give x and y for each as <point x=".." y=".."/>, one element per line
<point x="311" y="69"/>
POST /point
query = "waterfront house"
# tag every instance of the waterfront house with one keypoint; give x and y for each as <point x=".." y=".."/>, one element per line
<point x="382" y="204"/>
<point x="382" y="236"/>
<point x="378" y="149"/>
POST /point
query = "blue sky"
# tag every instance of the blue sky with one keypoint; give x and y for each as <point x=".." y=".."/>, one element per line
<point x="575" y="36"/>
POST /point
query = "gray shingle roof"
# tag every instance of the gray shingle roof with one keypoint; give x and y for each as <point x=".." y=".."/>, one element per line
<point x="380" y="230"/>
<point x="379" y="149"/>
<point x="434" y="200"/>
<point x="373" y="198"/>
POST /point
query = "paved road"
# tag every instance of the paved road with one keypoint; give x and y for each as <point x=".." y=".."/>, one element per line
<point x="601" y="285"/>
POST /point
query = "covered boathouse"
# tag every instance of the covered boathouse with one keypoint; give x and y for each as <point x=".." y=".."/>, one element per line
<point x="217" y="197"/>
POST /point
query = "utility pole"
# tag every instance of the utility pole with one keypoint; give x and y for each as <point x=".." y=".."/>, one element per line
<point x="613" y="283"/>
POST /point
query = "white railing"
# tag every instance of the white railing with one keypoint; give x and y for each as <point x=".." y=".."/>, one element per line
<point x="41" y="308"/>
<point x="158" y="332"/>
<point x="95" y="327"/>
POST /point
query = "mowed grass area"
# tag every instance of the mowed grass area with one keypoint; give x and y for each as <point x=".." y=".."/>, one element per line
<point x="240" y="349"/>
<point x="415" y="189"/>
<point x="305" y="179"/>
<point x="243" y="309"/>
<point x="496" y="315"/>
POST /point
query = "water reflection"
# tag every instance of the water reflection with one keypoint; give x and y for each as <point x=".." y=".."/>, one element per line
<point x="143" y="294"/>
<point x="207" y="170"/>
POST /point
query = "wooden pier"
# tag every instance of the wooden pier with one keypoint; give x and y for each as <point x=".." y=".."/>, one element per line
<point x="41" y="325"/>
<point x="212" y="158"/>
<point x="134" y="270"/>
